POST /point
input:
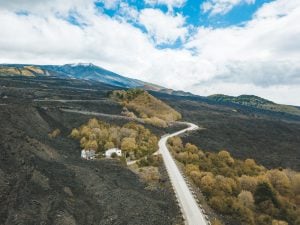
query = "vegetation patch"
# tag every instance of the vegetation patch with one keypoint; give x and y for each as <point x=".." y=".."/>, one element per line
<point x="147" y="107"/>
<point x="133" y="139"/>
<point x="55" y="133"/>
<point x="242" y="190"/>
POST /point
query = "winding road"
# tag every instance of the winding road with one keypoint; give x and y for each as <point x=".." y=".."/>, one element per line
<point x="188" y="204"/>
<point x="190" y="209"/>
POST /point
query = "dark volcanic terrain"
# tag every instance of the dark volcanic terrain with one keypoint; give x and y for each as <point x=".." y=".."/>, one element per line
<point x="44" y="181"/>
<point x="271" y="138"/>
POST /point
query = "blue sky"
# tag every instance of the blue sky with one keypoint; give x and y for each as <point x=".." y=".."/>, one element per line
<point x="206" y="47"/>
<point x="191" y="10"/>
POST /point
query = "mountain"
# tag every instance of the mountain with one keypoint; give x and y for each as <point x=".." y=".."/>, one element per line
<point x="84" y="71"/>
<point x="256" y="102"/>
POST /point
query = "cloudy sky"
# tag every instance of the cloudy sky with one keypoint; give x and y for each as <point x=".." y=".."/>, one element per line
<point x="204" y="46"/>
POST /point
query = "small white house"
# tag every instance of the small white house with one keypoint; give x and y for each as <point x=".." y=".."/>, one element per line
<point x="88" y="154"/>
<point x="109" y="152"/>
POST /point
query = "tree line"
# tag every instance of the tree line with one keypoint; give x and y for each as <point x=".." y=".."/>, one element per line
<point x="241" y="189"/>
<point x="133" y="139"/>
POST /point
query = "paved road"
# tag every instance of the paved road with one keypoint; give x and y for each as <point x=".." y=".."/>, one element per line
<point x="191" y="211"/>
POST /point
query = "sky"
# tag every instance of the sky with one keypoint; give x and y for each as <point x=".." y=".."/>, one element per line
<point x="206" y="47"/>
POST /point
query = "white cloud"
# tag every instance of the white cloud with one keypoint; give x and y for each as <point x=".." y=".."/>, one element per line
<point x="222" y="6"/>
<point x="128" y="13"/>
<point x="169" y="3"/>
<point x="164" y="28"/>
<point x="110" y="4"/>
<point x="262" y="58"/>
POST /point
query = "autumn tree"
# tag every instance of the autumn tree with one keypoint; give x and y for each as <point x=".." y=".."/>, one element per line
<point x="75" y="133"/>
<point x="246" y="199"/>
<point x="91" y="144"/>
<point x="109" y="145"/>
<point x="279" y="181"/>
<point x="248" y="183"/>
<point x="176" y="143"/>
<point x="207" y="183"/>
<point x="191" y="148"/>
<point x="226" y="157"/>
<point x="128" y="144"/>
<point x="279" y="222"/>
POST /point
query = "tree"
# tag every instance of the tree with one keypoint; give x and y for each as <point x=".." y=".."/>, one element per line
<point x="75" y="133"/>
<point x="248" y="183"/>
<point x="246" y="199"/>
<point x="128" y="144"/>
<point x="251" y="168"/>
<point x="263" y="193"/>
<point x="226" y="184"/>
<point x="190" y="168"/>
<point x="109" y="145"/>
<point x="85" y="131"/>
<point x="226" y="157"/>
<point x="83" y="141"/>
<point x="93" y="123"/>
<point x="92" y="144"/>
<point x="279" y="180"/>
<point x="279" y="222"/>
<point x="191" y="148"/>
<point x="176" y="142"/>
<point x="207" y="183"/>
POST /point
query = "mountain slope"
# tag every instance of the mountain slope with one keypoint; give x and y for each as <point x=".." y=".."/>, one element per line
<point x="95" y="73"/>
<point x="83" y="71"/>
<point x="256" y="102"/>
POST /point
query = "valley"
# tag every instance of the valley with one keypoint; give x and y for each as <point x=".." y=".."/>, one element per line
<point x="41" y="169"/>
<point x="43" y="179"/>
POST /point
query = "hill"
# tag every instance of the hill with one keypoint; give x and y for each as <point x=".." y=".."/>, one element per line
<point x="256" y="102"/>
<point x="146" y="106"/>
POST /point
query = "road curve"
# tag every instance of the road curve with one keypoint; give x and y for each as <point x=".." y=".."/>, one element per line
<point x="190" y="209"/>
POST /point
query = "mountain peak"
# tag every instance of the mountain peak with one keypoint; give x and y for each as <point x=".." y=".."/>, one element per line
<point x="80" y="64"/>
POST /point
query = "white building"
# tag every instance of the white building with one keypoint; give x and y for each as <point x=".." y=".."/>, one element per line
<point x="109" y="152"/>
<point x="88" y="154"/>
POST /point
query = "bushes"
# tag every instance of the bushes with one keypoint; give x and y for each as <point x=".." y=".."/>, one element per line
<point x="54" y="133"/>
<point x="243" y="190"/>
<point x="131" y="138"/>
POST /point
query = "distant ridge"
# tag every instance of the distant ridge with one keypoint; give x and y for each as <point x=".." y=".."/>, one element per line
<point x="85" y="71"/>
<point x="91" y="72"/>
<point x="256" y="102"/>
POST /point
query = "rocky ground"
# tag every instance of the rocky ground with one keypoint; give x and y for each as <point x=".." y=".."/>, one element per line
<point x="44" y="181"/>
